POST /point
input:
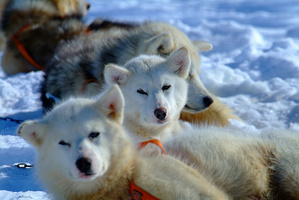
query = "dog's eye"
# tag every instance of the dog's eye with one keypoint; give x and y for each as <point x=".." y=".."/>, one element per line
<point x="93" y="135"/>
<point x="165" y="87"/>
<point x="63" y="143"/>
<point x="141" y="91"/>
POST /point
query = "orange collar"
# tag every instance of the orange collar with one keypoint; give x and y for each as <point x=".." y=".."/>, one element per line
<point x="153" y="141"/>
<point x="21" y="48"/>
<point x="136" y="192"/>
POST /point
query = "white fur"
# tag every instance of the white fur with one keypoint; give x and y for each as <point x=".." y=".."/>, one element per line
<point x="72" y="124"/>
<point x="151" y="74"/>
<point x="243" y="164"/>
<point x="118" y="46"/>
<point x="63" y="137"/>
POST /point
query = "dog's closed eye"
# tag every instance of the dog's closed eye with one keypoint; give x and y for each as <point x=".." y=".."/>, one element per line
<point x="63" y="143"/>
<point x="165" y="87"/>
<point x="141" y="91"/>
<point x="93" y="135"/>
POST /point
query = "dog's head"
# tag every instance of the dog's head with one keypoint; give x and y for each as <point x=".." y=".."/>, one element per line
<point x="162" y="39"/>
<point x="154" y="88"/>
<point x="78" y="140"/>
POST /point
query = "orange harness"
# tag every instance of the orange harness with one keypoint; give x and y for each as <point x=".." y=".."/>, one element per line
<point x="21" y="48"/>
<point x="24" y="52"/>
<point x="136" y="192"/>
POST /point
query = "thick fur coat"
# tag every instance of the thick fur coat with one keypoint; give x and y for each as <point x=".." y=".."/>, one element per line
<point x="85" y="153"/>
<point x="84" y="59"/>
<point x="245" y="165"/>
<point x="155" y="92"/>
<point x="77" y="67"/>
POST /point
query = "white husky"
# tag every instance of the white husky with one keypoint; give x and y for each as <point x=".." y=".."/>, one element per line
<point x="245" y="165"/>
<point x="84" y="58"/>
<point x="85" y="153"/>
<point x="155" y="91"/>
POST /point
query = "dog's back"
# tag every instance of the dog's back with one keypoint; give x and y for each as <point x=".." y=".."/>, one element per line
<point x="243" y="164"/>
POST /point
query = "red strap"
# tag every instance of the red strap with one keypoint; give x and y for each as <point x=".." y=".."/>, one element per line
<point x="88" y="30"/>
<point x="22" y="49"/>
<point x="24" y="52"/>
<point x="138" y="193"/>
<point x="153" y="141"/>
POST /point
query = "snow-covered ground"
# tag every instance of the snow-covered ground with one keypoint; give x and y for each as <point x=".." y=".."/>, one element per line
<point x="253" y="67"/>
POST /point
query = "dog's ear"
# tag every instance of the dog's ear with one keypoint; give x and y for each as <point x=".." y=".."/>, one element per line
<point x="32" y="131"/>
<point x="179" y="62"/>
<point x="111" y="103"/>
<point x="114" y="74"/>
<point x="160" y="44"/>
<point x="201" y="45"/>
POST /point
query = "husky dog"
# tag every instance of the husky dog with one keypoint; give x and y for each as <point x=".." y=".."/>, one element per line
<point x="85" y="153"/>
<point x="246" y="166"/>
<point x="155" y="91"/>
<point x="35" y="28"/>
<point x="77" y="67"/>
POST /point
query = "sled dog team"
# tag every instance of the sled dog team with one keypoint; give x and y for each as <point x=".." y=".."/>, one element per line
<point x="88" y="147"/>
<point x="109" y="86"/>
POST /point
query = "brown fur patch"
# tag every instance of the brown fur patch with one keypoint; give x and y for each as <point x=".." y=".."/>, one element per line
<point x="217" y="114"/>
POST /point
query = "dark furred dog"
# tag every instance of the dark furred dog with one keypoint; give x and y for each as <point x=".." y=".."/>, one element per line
<point x="35" y="28"/>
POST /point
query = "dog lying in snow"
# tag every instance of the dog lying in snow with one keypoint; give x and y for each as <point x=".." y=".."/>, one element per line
<point x="245" y="167"/>
<point x="77" y="67"/>
<point x="225" y="160"/>
<point x="34" y="28"/>
<point x="84" y="59"/>
<point x="85" y="153"/>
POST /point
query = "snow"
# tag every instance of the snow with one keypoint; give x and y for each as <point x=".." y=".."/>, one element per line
<point x="253" y="68"/>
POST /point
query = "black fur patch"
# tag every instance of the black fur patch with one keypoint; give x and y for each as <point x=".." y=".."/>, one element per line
<point x="46" y="103"/>
<point x="108" y="56"/>
<point x="99" y="24"/>
<point x="4" y="21"/>
<point x="86" y="66"/>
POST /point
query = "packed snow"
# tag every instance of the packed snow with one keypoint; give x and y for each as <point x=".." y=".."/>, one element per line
<point x="253" y="68"/>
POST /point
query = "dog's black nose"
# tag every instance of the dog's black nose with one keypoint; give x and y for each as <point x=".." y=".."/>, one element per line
<point x="160" y="113"/>
<point x="207" y="100"/>
<point x="84" y="165"/>
<point x="87" y="5"/>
